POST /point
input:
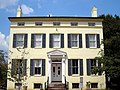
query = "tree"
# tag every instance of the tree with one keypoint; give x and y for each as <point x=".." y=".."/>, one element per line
<point x="3" y="70"/>
<point x="110" y="56"/>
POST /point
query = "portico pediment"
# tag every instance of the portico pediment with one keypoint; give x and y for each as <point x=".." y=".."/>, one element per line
<point x="56" y="52"/>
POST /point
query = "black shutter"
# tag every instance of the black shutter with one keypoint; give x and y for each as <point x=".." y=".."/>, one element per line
<point x="51" y="41"/>
<point x="44" y="41"/>
<point x="69" y="67"/>
<point x="62" y="40"/>
<point x="80" y="40"/>
<point x="14" y="41"/>
<point x="81" y="66"/>
<point x="98" y="41"/>
<point x="87" y="41"/>
<point x="25" y="41"/>
<point x="31" y="67"/>
<point x="32" y="40"/>
<point x="99" y="67"/>
<point x="24" y="66"/>
<point x="43" y="67"/>
<point x="88" y="66"/>
<point x="69" y="40"/>
<point x="13" y="67"/>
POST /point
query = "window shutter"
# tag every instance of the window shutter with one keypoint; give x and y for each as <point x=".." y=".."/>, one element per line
<point x="62" y="40"/>
<point x="87" y="41"/>
<point x="51" y="41"/>
<point x="13" y="67"/>
<point x="88" y="66"/>
<point x="25" y="41"/>
<point x="69" y="67"/>
<point x="24" y="66"/>
<point x="32" y="41"/>
<point x="31" y="67"/>
<point x="80" y="40"/>
<point x="44" y="41"/>
<point x="81" y="66"/>
<point x="69" y="40"/>
<point x="43" y="67"/>
<point x="14" y="41"/>
<point x="98" y="41"/>
<point x="99" y="66"/>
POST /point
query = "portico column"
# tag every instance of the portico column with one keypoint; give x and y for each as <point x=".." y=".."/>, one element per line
<point x="63" y="70"/>
<point x="49" y="69"/>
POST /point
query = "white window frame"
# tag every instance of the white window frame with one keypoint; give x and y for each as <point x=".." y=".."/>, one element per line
<point x="95" y="40"/>
<point x="96" y="63"/>
<point x="57" y="41"/>
<point x="75" y="41"/>
<point x="77" y="67"/>
<point x="40" y="66"/>
<point x="20" y="41"/>
<point x="35" y="41"/>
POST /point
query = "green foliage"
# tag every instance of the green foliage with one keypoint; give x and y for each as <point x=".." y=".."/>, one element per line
<point x="110" y="57"/>
<point x="3" y="69"/>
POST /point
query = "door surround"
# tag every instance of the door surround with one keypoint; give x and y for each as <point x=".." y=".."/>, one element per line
<point x="56" y="55"/>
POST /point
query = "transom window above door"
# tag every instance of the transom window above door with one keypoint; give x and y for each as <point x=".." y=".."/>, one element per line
<point x="56" y="41"/>
<point x="38" y="40"/>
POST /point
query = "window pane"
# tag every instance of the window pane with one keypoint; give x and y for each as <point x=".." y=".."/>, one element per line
<point x="75" y="66"/>
<point x="92" y="40"/>
<point x="38" y="40"/>
<point x="56" y="40"/>
<point x="37" y="70"/>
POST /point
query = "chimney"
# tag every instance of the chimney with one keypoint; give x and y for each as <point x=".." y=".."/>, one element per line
<point x="94" y="12"/>
<point x="19" y="12"/>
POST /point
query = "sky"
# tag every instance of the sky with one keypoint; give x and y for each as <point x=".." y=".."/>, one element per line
<point x="80" y="8"/>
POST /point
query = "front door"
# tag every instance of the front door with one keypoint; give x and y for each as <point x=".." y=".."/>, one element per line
<point x="56" y="72"/>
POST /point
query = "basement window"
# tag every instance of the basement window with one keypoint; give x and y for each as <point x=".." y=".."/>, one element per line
<point x="21" y="23"/>
<point x="38" y="23"/>
<point x="94" y="85"/>
<point x="37" y="86"/>
<point x="75" y="85"/>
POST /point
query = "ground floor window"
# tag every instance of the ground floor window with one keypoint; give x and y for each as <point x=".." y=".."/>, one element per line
<point x="37" y="86"/>
<point x="18" y="85"/>
<point x="94" y="85"/>
<point x="75" y="85"/>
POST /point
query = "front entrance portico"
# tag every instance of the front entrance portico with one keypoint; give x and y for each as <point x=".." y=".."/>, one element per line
<point x="56" y="66"/>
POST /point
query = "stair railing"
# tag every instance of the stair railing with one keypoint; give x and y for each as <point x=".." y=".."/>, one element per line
<point x="66" y="83"/>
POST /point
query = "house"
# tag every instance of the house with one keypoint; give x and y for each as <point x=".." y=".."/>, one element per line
<point x="56" y="49"/>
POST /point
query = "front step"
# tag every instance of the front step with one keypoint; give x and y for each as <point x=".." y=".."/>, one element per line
<point x="56" y="86"/>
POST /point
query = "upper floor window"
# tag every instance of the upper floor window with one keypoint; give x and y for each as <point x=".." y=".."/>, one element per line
<point x="38" y="40"/>
<point x="38" y="23"/>
<point x="75" y="66"/>
<point x="20" y="41"/>
<point x="37" y="67"/>
<point x="74" y="40"/>
<point x="92" y="41"/>
<point x="74" y="23"/>
<point x="56" y="41"/>
<point x="91" y="64"/>
<point x="56" y="23"/>
<point x="21" y="23"/>
<point x="91" y="24"/>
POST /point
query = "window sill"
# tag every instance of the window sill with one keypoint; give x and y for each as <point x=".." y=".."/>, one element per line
<point x="75" y="75"/>
<point x="74" y="47"/>
<point x="37" y="47"/>
<point x="37" y="75"/>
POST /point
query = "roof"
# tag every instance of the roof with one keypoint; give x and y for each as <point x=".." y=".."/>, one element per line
<point x="55" y="18"/>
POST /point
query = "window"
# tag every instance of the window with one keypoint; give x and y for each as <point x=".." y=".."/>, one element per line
<point x="74" y="23"/>
<point x="75" y="40"/>
<point x="75" y="66"/>
<point x="38" y="40"/>
<point x="21" y="23"/>
<point x="19" y="66"/>
<point x="20" y="40"/>
<point x="17" y="85"/>
<point x="38" y="23"/>
<point x="94" y="85"/>
<point x="37" y="66"/>
<point x="75" y="85"/>
<point x="94" y="63"/>
<point x="91" y="24"/>
<point x="56" y="23"/>
<point x="92" y="41"/>
<point x="38" y="86"/>
<point x="56" y="41"/>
